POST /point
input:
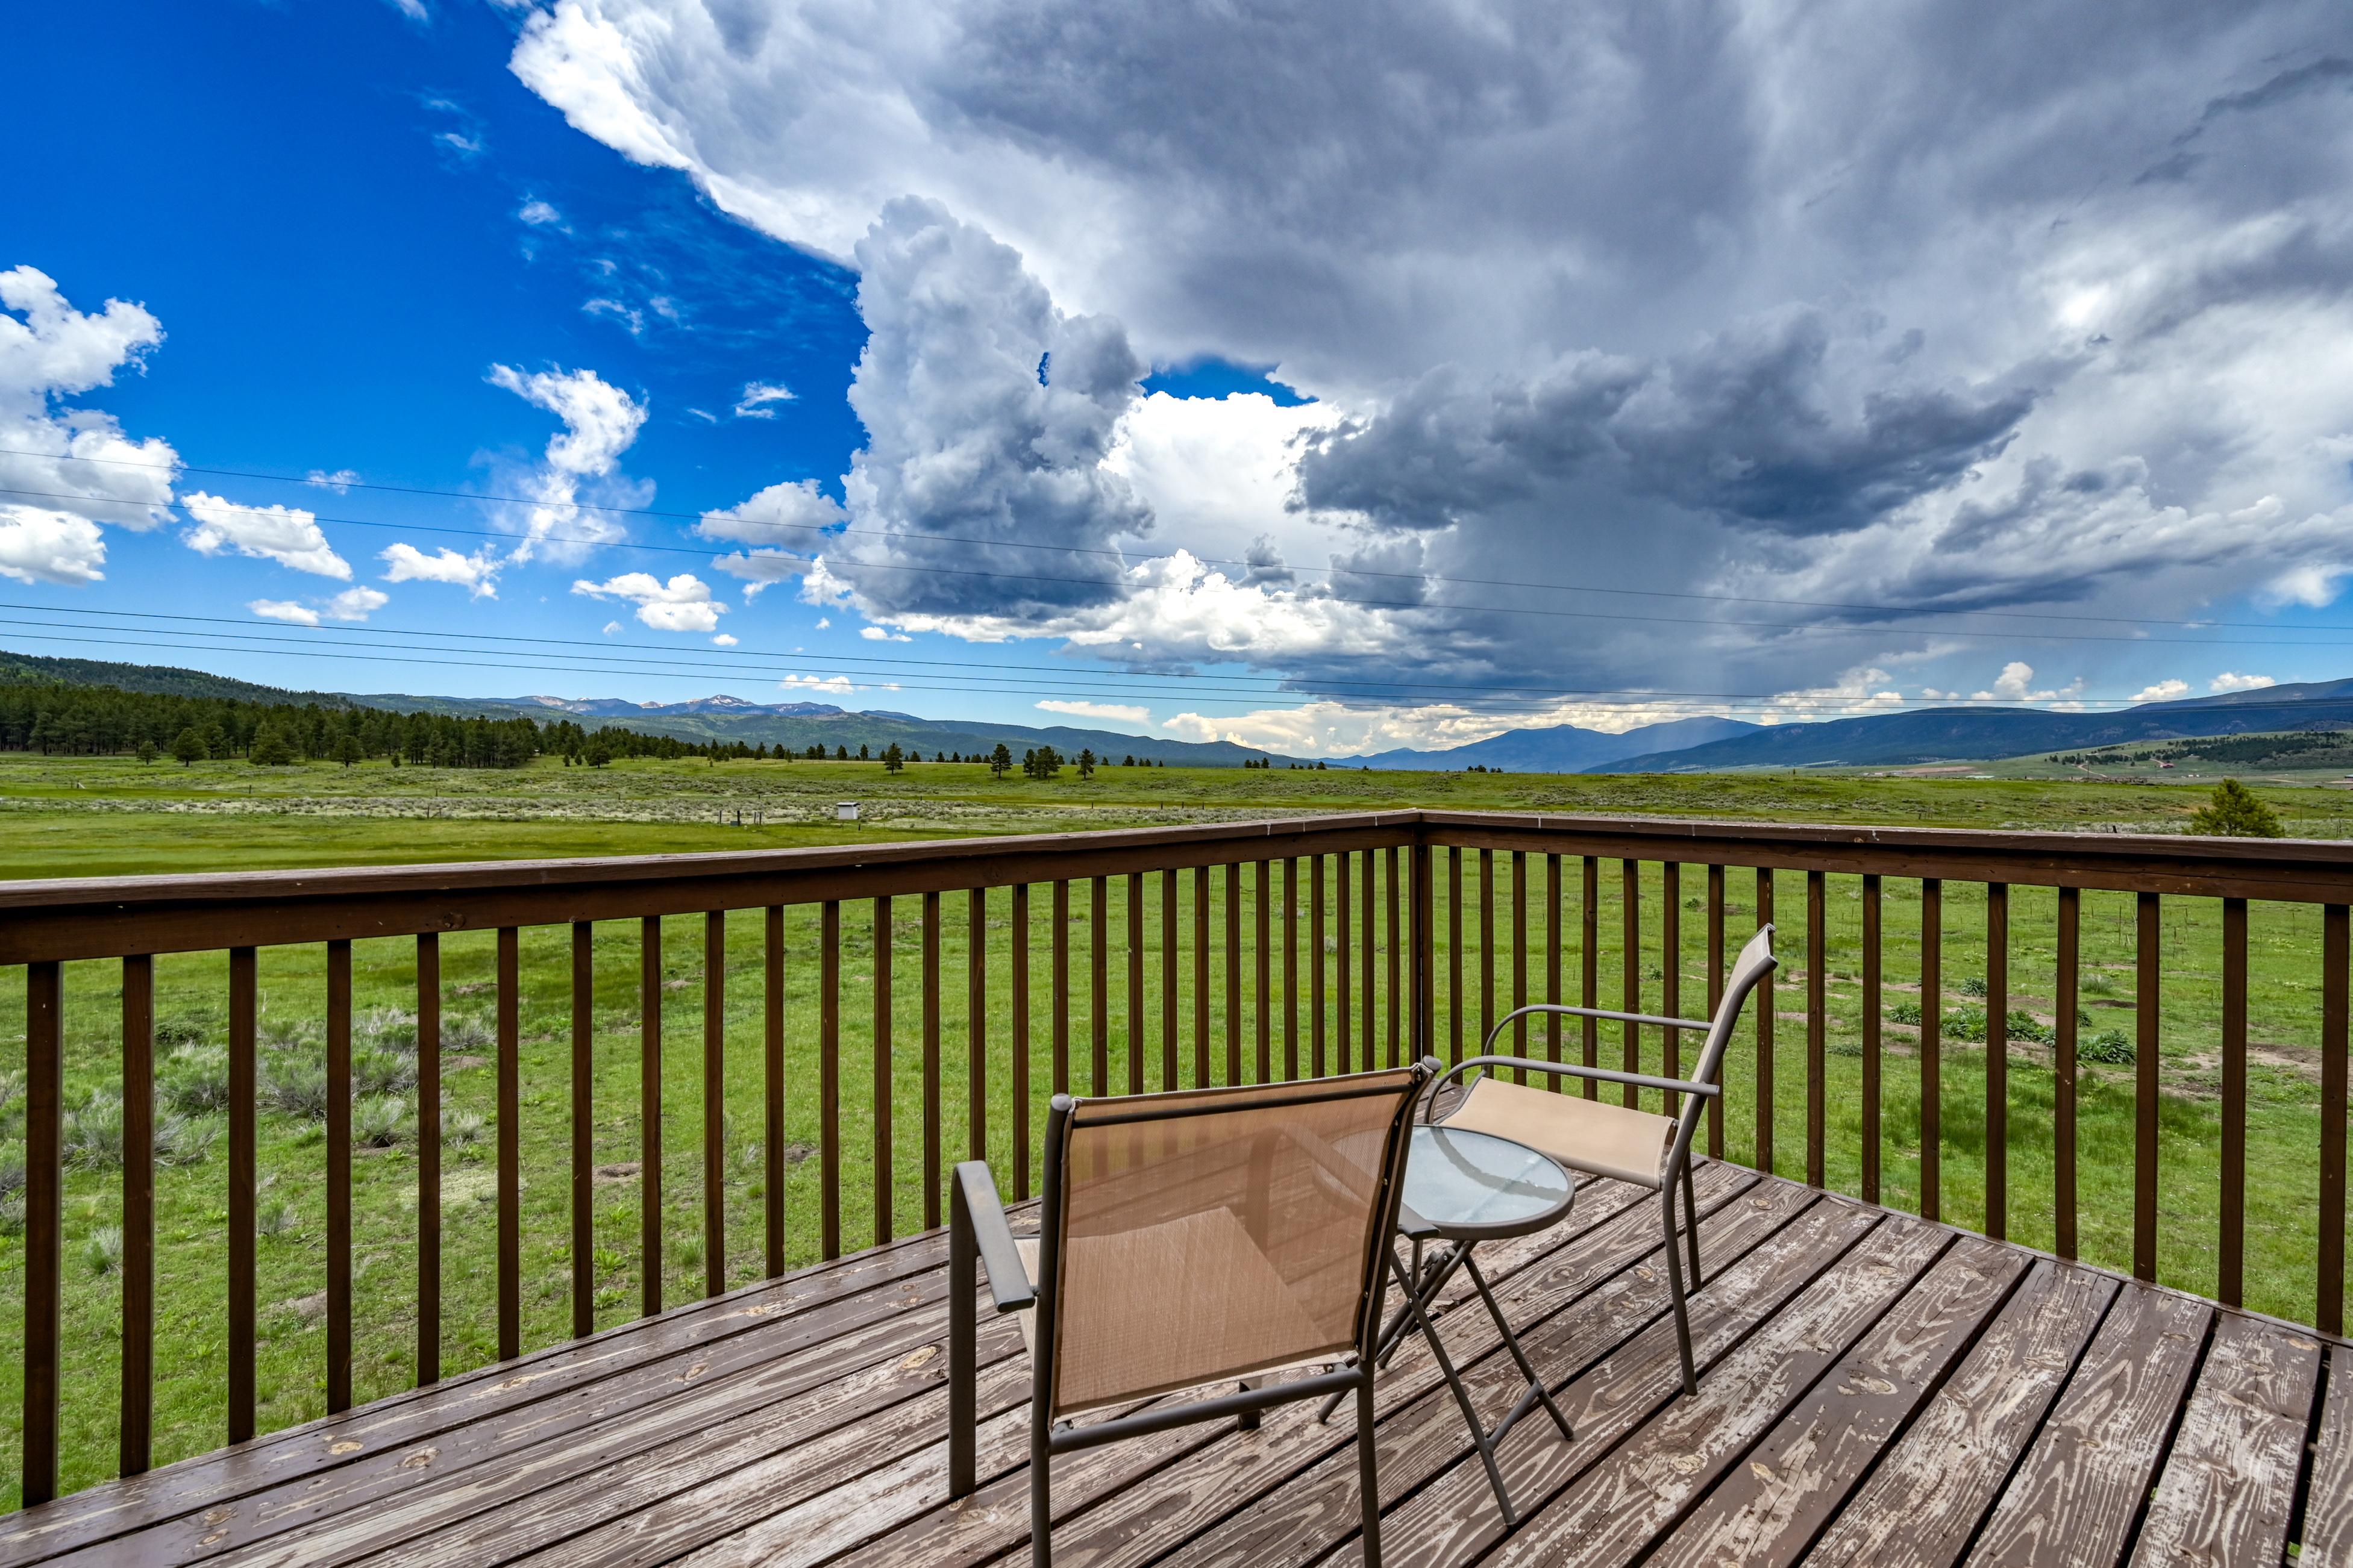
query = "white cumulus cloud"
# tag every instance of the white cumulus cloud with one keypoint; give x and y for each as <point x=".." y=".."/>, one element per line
<point x="477" y="573"/>
<point x="288" y="535"/>
<point x="351" y="605"/>
<point x="2231" y="681"/>
<point x="600" y="422"/>
<point x="37" y="545"/>
<point x="760" y="398"/>
<point x="681" y="604"/>
<point x="2161" y="691"/>
<point x="831" y="685"/>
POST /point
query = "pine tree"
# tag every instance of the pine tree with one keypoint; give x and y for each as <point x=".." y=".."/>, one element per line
<point x="2237" y="813"/>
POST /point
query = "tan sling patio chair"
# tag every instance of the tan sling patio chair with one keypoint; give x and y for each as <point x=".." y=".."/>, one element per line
<point x="1618" y="1141"/>
<point x="1186" y="1240"/>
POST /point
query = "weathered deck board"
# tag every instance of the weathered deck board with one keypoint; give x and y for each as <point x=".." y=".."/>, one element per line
<point x="2230" y="1482"/>
<point x="1621" y="1506"/>
<point x="1926" y="1498"/>
<point x="1767" y="1512"/>
<point x="2328" y="1506"/>
<point x="1455" y="1517"/>
<point x="2081" y="1485"/>
<point x="1873" y="1390"/>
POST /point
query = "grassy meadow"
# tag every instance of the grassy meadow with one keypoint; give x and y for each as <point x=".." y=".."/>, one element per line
<point x="113" y="817"/>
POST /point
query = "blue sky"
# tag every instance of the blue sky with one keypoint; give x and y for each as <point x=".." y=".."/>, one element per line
<point x="2040" y="377"/>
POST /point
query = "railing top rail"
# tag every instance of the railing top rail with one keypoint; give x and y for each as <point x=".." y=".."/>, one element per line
<point x="112" y="916"/>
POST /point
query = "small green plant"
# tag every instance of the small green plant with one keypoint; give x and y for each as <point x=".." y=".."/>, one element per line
<point x="297" y="1085"/>
<point x="1964" y="1024"/>
<point x="185" y="1139"/>
<point x="687" y="1252"/>
<point x="2108" y="1046"/>
<point x="380" y="1122"/>
<point x="387" y="1030"/>
<point x="1974" y="985"/>
<point x="195" y="1079"/>
<point x="2235" y="812"/>
<point x="607" y="1261"/>
<point x="378" y="1072"/>
<point x="1905" y="1012"/>
<point x="101" y="1253"/>
<point x="93" y="1133"/>
<point x="2099" y="983"/>
<point x="461" y="1129"/>
<point x="183" y="1029"/>
<point x="469" y="1034"/>
<point x="276" y="1218"/>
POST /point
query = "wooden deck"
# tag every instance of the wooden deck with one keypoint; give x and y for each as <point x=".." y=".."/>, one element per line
<point x="1873" y="1390"/>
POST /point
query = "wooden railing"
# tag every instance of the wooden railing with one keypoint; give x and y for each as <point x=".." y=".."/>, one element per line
<point x="1393" y="911"/>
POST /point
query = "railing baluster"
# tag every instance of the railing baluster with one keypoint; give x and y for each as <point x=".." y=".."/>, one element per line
<point x="1342" y="1033"/>
<point x="135" y="1430"/>
<point x="650" y="1106"/>
<point x="1520" y="951"/>
<point x="934" y="1176"/>
<point x="1553" y="940"/>
<point x="1996" y="1136"/>
<point x="1486" y="948"/>
<point x="977" y="1015"/>
<point x="1630" y="965"/>
<point x="44" y="1222"/>
<point x="1233" y="971"/>
<point x="1870" y="1038"/>
<point x="772" y="1150"/>
<point x="510" y="1015"/>
<point x="1816" y="1023"/>
<point x="1590" y="965"/>
<point x="829" y="1087"/>
<point x="2334" y="925"/>
<point x="339" y="1175"/>
<point x="1290" y="970"/>
<point x="1099" y="988"/>
<point x="429" y="1175"/>
<point x="2062" y="1073"/>
<point x="714" y="1101"/>
<point x="1315" y="998"/>
<point x="1367" y="972"/>
<point x="2148" y="935"/>
<point x="1932" y="1024"/>
<point x="1762" y="1004"/>
<point x="1671" y="974"/>
<point x="583" y="1129"/>
<point x="2230" y="1269"/>
<point x="1264" y="931"/>
<point x="1135" y="997"/>
<point x="1454" y="998"/>
<point x="1425" y="954"/>
<point x="1395" y="959"/>
<point x="1170" y="940"/>
<point x="1201" y="976"/>
<point x="1714" y="998"/>
<point x="1019" y="1000"/>
<point x="1059" y="952"/>
<point x="882" y="1040"/>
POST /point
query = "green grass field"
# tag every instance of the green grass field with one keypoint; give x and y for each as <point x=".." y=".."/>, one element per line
<point x="109" y="817"/>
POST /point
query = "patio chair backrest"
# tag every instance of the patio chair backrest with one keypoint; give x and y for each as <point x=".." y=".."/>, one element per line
<point x="1756" y="960"/>
<point x="1199" y="1236"/>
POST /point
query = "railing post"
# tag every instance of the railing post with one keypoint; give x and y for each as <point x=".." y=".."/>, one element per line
<point x="2230" y="1266"/>
<point x="136" y="1429"/>
<point x="339" y="1179"/>
<point x="2062" y="1071"/>
<point x="1816" y="1022"/>
<point x="649" y="1112"/>
<point x="1932" y="1024"/>
<point x="884" y="1070"/>
<point x="2330" y="1317"/>
<point x="1425" y="951"/>
<point x="1996" y="1043"/>
<point x="2148" y="956"/>
<point x="583" y="1128"/>
<point x="44" y="1222"/>
<point x="509" y="1016"/>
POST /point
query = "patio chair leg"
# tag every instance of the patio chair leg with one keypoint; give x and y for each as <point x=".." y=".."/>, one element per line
<point x="1537" y="1393"/>
<point x="1041" y="1501"/>
<point x="1691" y="1228"/>
<point x="1676" y="1286"/>
<point x="964" y="1336"/>
<point x="1369" y="1472"/>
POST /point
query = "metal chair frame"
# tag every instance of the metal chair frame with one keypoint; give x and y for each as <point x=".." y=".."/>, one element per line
<point x="1756" y="960"/>
<point x="979" y="1235"/>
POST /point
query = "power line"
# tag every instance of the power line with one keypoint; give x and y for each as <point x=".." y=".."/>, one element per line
<point x="1846" y="606"/>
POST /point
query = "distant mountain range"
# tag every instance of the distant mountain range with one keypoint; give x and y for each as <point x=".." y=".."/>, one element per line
<point x="800" y="725"/>
<point x="1972" y="734"/>
<point x="1681" y="746"/>
<point x="1565" y="748"/>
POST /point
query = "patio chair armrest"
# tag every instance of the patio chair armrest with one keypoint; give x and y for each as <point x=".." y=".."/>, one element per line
<point x="977" y="1210"/>
<point x="1556" y="1007"/>
<point x="1573" y="1069"/>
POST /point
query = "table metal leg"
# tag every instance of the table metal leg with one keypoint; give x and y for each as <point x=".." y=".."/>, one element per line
<point x="1469" y="1411"/>
<point x="1432" y="1281"/>
<point x="1536" y="1391"/>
